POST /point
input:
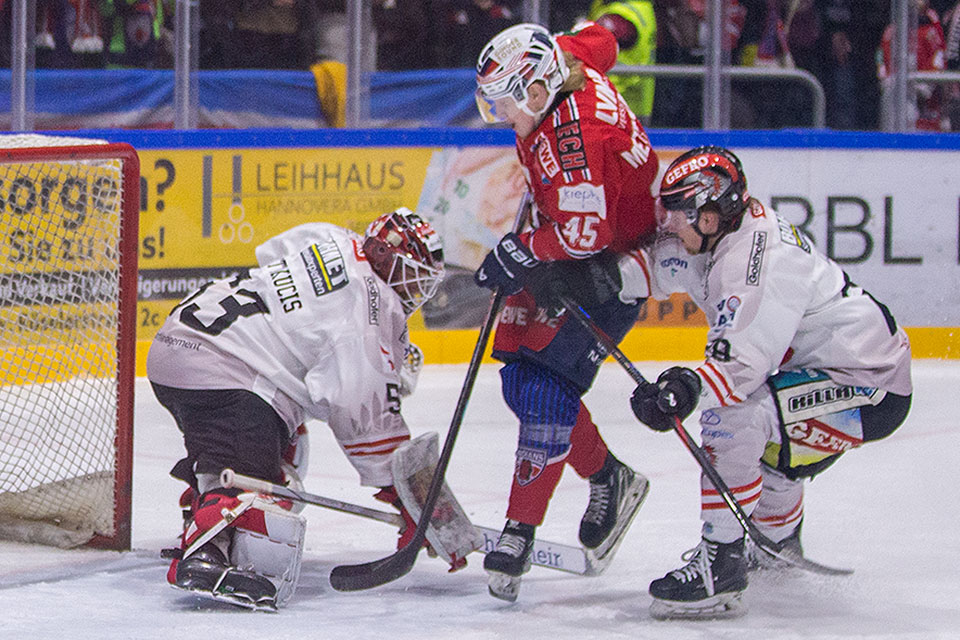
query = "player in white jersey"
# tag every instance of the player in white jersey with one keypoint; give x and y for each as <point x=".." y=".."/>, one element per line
<point x="801" y="365"/>
<point x="317" y="330"/>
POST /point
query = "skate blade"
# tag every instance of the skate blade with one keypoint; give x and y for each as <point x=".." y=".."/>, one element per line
<point x="503" y="586"/>
<point x="599" y="559"/>
<point x="264" y="605"/>
<point x="724" y="605"/>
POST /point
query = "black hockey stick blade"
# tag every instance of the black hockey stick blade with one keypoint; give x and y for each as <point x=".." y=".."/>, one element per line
<point x="795" y="559"/>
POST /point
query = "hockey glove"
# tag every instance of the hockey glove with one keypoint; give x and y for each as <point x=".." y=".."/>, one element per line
<point x="506" y="266"/>
<point x="591" y="282"/>
<point x="675" y="393"/>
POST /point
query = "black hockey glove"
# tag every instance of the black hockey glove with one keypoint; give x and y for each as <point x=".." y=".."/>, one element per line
<point x="675" y="393"/>
<point x="506" y="266"/>
<point x="590" y="283"/>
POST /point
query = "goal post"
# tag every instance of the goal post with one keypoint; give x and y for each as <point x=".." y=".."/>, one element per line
<point x="69" y="211"/>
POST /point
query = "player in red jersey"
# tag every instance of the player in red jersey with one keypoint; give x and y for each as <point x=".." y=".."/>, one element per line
<point x="592" y="173"/>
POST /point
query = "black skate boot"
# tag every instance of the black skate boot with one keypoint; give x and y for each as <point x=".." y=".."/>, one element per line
<point x="616" y="493"/>
<point x="206" y="572"/>
<point x="510" y="560"/>
<point x="708" y="586"/>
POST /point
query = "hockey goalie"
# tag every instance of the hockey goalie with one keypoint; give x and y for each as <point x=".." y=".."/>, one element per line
<point x="317" y="330"/>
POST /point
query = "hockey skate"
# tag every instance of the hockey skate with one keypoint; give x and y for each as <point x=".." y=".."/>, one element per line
<point x="710" y="585"/>
<point x="509" y="561"/>
<point x="207" y="573"/>
<point x="616" y="493"/>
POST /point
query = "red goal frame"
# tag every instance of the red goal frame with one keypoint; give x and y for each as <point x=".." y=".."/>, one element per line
<point x="128" y="245"/>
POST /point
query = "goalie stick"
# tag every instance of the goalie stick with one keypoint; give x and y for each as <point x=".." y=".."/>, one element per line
<point x="550" y="555"/>
<point x="356" y="577"/>
<point x="790" y="556"/>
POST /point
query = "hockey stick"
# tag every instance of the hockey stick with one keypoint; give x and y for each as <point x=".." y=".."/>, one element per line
<point x="550" y="555"/>
<point x="609" y="347"/>
<point x="355" y="577"/>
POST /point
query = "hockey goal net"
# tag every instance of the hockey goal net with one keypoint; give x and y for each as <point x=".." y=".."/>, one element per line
<point x="68" y="258"/>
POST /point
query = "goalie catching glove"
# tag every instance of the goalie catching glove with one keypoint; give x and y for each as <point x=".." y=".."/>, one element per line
<point x="675" y="393"/>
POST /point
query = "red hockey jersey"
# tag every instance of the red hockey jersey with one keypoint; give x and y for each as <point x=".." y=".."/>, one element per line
<point x="592" y="172"/>
<point x="589" y="164"/>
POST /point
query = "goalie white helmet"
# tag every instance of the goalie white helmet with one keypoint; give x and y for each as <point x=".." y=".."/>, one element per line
<point x="406" y="252"/>
<point x="512" y="61"/>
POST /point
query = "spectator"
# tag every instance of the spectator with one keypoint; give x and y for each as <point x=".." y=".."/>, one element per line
<point x="634" y="24"/>
<point x="952" y="18"/>
<point x="259" y="34"/>
<point x="133" y="28"/>
<point x="405" y="34"/>
<point x="677" y="102"/>
<point x="467" y="25"/>
<point x="67" y="34"/>
<point x="849" y="33"/>
<point x="928" y="111"/>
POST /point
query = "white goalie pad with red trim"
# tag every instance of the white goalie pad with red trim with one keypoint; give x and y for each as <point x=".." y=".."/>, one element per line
<point x="450" y="533"/>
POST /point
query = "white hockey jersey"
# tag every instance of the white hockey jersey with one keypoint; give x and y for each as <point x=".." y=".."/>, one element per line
<point x="313" y="331"/>
<point x="774" y="302"/>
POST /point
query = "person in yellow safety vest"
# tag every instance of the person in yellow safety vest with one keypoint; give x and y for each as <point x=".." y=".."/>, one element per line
<point x="634" y="25"/>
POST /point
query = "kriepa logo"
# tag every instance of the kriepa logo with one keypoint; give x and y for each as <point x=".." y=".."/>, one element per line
<point x="325" y="267"/>
<point x="756" y="258"/>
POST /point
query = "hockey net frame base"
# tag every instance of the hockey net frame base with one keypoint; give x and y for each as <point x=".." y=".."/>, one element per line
<point x="67" y="339"/>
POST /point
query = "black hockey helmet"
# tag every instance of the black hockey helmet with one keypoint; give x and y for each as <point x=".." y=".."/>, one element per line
<point x="703" y="176"/>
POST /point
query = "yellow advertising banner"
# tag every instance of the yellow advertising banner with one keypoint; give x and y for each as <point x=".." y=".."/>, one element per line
<point x="203" y="212"/>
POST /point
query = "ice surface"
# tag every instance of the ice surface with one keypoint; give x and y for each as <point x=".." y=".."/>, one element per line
<point x="888" y="510"/>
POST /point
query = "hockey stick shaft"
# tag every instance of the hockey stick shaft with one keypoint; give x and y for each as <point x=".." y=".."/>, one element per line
<point x="551" y="555"/>
<point x="379" y="572"/>
<point x="229" y="478"/>
<point x="609" y="346"/>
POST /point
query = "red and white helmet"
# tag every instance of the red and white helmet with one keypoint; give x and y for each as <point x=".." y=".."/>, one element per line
<point x="406" y="252"/>
<point x="511" y="62"/>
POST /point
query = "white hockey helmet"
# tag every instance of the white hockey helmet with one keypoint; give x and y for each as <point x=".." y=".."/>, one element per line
<point x="513" y="60"/>
<point x="406" y="252"/>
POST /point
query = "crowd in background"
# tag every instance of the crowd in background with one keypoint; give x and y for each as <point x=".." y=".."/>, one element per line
<point x="845" y="44"/>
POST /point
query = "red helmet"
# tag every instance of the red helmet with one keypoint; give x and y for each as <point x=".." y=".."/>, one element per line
<point x="406" y="252"/>
<point x="705" y="176"/>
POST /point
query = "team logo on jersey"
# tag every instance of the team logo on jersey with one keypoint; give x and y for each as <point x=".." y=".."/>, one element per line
<point x="727" y="311"/>
<point x="756" y="258"/>
<point x="789" y="234"/>
<point x="548" y="162"/>
<point x="325" y="267"/>
<point x="373" y="301"/>
<point x="530" y="463"/>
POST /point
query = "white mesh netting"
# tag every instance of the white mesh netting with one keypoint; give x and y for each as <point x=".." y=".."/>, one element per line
<point x="60" y="220"/>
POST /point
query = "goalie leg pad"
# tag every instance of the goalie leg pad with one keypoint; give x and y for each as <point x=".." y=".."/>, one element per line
<point x="268" y="540"/>
<point x="450" y="532"/>
<point x="242" y="548"/>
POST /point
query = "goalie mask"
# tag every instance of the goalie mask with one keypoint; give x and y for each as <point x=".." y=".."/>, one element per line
<point x="512" y="61"/>
<point x="406" y="252"/>
<point x="704" y="177"/>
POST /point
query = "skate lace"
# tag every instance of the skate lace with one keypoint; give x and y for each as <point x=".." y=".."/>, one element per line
<point x="511" y="544"/>
<point x="699" y="563"/>
<point x="599" y="502"/>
